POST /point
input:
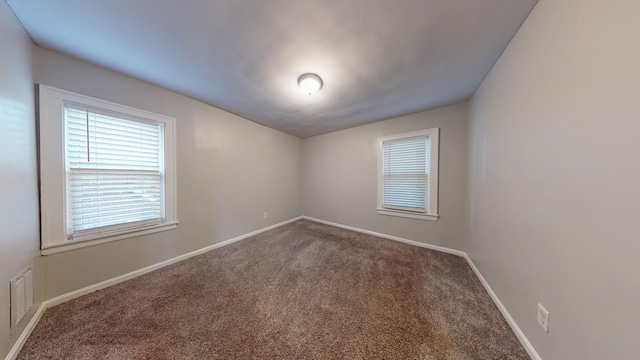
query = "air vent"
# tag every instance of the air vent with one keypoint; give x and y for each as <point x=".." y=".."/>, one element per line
<point x="21" y="289"/>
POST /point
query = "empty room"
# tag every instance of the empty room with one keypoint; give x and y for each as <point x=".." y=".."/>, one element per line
<point x="362" y="179"/>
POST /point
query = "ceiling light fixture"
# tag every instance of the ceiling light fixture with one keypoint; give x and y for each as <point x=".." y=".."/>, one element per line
<point x="310" y="83"/>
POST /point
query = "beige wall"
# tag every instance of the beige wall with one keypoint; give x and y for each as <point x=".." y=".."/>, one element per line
<point x="19" y="224"/>
<point x="552" y="208"/>
<point x="230" y="170"/>
<point x="340" y="182"/>
<point x="555" y="174"/>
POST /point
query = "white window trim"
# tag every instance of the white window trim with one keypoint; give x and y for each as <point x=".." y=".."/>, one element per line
<point x="53" y="173"/>
<point x="434" y="145"/>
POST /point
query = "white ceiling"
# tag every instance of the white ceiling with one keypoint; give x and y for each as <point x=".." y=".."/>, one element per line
<point x="378" y="58"/>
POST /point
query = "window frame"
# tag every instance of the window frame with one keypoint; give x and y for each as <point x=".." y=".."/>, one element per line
<point x="431" y="213"/>
<point x="53" y="172"/>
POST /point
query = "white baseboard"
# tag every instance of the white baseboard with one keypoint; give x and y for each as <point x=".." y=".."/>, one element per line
<point x="104" y="284"/>
<point x="15" y="349"/>
<point x="390" y="237"/>
<point x="516" y="329"/>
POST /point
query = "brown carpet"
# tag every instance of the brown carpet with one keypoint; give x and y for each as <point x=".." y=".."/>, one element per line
<point x="301" y="291"/>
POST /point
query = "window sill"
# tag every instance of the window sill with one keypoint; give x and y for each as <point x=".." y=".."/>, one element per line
<point x="427" y="217"/>
<point x="125" y="234"/>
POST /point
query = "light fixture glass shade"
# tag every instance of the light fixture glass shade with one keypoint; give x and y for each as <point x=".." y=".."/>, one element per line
<point x="310" y="83"/>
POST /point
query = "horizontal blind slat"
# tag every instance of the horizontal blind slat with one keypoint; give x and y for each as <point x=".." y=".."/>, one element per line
<point x="405" y="174"/>
<point x="115" y="170"/>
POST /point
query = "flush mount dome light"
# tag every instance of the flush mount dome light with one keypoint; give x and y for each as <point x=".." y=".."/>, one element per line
<point x="310" y="83"/>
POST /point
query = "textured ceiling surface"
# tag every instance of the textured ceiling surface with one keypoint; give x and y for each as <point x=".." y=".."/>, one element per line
<point x="378" y="58"/>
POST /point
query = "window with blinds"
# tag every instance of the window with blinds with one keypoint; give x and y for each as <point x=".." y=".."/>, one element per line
<point x="114" y="170"/>
<point x="405" y="171"/>
<point x="407" y="174"/>
<point x="107" y="171"/>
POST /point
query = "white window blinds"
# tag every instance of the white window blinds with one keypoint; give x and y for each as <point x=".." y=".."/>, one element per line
<point x="114" y="171"/>
<point x="405" y="171"/>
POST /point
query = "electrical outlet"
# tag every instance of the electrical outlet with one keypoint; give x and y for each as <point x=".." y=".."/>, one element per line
<point x="543" y="318"/>
<point x="265" y="215"/>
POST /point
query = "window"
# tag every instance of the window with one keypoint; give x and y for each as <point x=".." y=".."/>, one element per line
<point x="408" y="175"/>
<point x="106" y="171"/>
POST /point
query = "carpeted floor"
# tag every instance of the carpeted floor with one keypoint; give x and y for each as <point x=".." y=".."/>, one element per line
<point x="301" y="291"/>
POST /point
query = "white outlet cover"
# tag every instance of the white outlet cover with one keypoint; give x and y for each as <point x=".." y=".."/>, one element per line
<point x="543" y="318"/>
